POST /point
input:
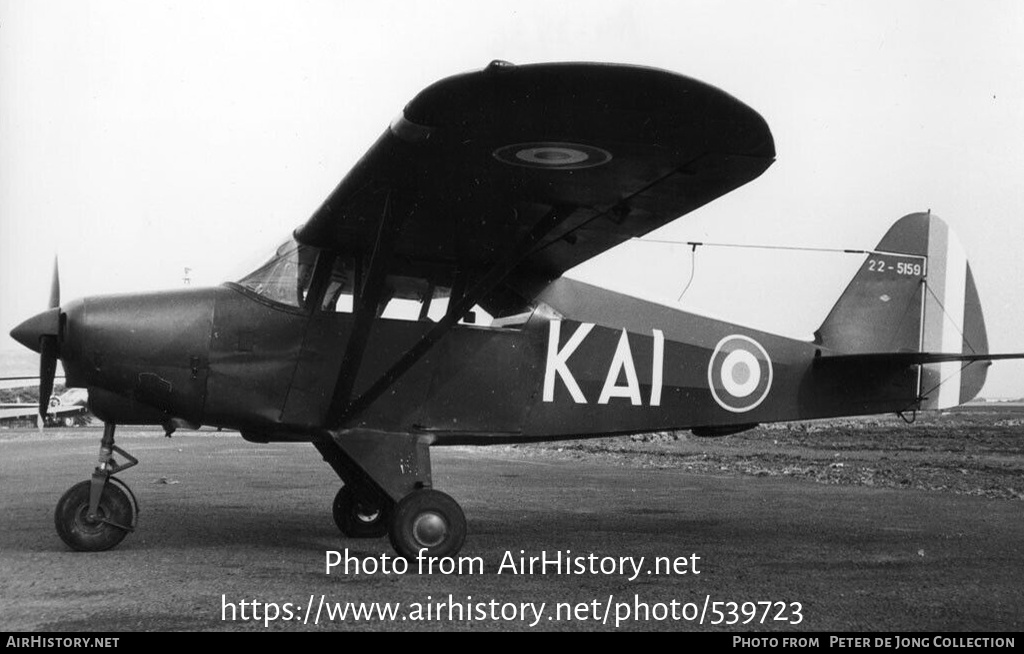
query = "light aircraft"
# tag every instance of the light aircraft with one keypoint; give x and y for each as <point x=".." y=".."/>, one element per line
<point x="68" y="409"/>
<point x="481" y="193"/>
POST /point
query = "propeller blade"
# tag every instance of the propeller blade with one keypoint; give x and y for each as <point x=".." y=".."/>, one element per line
<point x="55" y="286"/>
<point x="47" y="371"/>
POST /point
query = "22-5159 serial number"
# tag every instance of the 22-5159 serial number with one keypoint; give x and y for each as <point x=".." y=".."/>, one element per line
<point x="908" y="268"/>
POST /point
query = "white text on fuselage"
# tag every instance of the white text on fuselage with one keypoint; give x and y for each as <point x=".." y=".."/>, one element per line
<point x="557" y="367"/>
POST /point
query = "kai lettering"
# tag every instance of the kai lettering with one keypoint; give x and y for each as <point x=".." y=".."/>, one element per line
<point x="622" y="365"/>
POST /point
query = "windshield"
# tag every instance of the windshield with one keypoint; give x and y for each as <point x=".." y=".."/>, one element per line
<point x="285" y="277"/>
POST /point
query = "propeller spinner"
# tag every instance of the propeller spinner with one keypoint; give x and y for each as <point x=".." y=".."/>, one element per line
<point x="42" y="334"/>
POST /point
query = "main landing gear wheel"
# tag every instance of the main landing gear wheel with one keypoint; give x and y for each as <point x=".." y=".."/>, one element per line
<point x="358" y="518"/>
<point x="114" y="518"/>
<point x="427" y="519"/>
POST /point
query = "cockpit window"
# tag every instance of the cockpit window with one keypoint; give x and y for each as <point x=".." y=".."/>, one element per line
<point x="293" y="277"/>
<point x="285" y="278"/>
<point x="340" y="294"/>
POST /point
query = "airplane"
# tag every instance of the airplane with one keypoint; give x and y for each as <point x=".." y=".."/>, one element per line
<point x="68" y="409"/>
<point x="485" y="189"/>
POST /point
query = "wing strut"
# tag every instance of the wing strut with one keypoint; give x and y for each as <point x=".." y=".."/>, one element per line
<point x="462" y="304"/>
<point x="368" y="297"/>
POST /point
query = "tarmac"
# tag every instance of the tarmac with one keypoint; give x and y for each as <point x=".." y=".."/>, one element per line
<point x="224" y="522"/>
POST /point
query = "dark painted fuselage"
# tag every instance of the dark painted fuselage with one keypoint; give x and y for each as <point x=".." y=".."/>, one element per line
<point x="586" y="362"/>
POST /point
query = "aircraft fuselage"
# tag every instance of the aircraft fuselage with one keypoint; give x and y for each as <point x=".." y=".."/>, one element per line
<point x="587" y="362"/>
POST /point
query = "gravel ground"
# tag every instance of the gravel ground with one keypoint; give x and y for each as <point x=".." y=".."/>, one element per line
<point x="910" y="528"/>
<point x="972" y="450"/>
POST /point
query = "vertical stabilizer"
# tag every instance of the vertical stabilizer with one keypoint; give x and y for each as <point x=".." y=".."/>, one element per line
<point x="915" y="293"/>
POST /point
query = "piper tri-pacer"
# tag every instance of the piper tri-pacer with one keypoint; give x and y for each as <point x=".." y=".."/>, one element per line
<point x="359" y="334"/>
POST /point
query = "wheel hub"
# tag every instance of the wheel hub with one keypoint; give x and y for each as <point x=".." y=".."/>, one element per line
<point x="367" y="515"/>
<point x="429" y="529"/>
<point x="91" y="524"/>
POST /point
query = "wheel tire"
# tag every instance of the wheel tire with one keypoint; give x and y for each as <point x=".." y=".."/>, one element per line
<point x="74" y="526"/>
<point x="358" y="519"/>
<point x="69" y="422"/>
<point x="427" y="519"/>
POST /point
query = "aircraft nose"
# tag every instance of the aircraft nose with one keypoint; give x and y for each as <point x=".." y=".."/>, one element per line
<point x="42" y="324"/>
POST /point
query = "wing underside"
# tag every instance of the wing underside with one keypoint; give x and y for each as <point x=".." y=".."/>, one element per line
<point x="477" y="161"/>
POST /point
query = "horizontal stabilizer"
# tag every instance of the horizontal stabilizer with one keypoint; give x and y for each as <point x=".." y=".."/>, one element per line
<point x="904" y="359"/>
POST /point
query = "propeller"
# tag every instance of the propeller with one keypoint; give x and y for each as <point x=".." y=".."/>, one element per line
<point x="42" y="333"/>
<point x="55" y="286"/>
<point x="49" y="348"/>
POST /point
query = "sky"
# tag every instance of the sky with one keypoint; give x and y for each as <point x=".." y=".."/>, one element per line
<point x="140" y="139"/>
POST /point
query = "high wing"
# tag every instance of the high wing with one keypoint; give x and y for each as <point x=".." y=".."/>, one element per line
<point x="581" y="156"/>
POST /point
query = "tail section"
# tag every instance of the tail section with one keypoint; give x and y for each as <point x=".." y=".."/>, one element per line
<point x="914" y="302"/>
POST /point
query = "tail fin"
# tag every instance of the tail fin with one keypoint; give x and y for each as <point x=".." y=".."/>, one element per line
<point x="915" y="295"/>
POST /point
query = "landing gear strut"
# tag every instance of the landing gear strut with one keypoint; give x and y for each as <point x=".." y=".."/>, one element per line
<point x="388" y="491"/>
<point x="96" y="515"/>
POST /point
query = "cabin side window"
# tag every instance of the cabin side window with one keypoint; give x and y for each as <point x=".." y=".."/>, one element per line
<point x="403" y="297"/>
<point x="305" y="277"/>
<point x="412" y="298"/>
<point x="339" y="297"/>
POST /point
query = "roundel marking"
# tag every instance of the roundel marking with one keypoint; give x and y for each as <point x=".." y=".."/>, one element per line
<point x="739" y="373"/>
<point x="554" y="156"/>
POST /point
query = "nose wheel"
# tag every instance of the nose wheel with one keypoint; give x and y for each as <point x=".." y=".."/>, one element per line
<point x="430" y="520"/>
<point x="87" y="531"/>
<point x="97" y="514"/>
